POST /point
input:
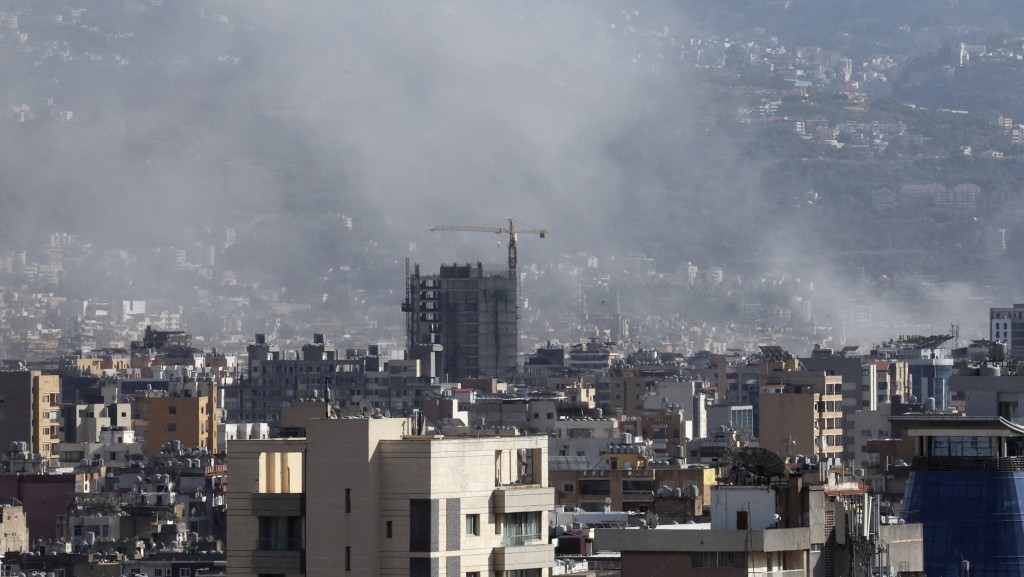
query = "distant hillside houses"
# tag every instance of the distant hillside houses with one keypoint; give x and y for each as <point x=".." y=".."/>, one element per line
<point x="916" y="195"/>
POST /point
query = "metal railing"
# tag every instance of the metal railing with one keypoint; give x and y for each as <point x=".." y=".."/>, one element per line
<point x="967" y="464"/>
<point x="786" y="573"/>
<point x="278" y="544"/>
<point x="520" y="540"/>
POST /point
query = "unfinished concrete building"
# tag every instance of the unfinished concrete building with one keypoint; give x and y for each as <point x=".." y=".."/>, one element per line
<point x="472" y="314"/>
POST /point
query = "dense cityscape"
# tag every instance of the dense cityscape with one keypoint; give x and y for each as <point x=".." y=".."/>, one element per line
<point x="267" y="306"/>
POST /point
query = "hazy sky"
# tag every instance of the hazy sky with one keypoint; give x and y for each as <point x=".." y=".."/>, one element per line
<point x="274" y="117"/>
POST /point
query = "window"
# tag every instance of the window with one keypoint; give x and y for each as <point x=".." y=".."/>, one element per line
<point x="348" y="558"/>
<point x="473" y="574"/>
<point x="420" y="527"/>
<point x="280" y="533"/>
<point x="184" y="572"/>
<point x="348" y="500"/>
<point x="172" y="427"/>
<point x="568" y="487"/>
<point x="472" y="524"/>
<point x="389" y="529"/>
<point x="173" y="410"/>
<point x="521" y="528"/>
<point x="732" y="559"/>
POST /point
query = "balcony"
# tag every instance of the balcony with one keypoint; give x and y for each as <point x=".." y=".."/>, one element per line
<point x="278" y="561"/>
<point x="521" y="540"/>
<point x="786" y="573"/>
<point x="278" y="504"/>
<point x="523" y="498"/>
<point x="532" y="554"/>
<point x="278" y="544"/>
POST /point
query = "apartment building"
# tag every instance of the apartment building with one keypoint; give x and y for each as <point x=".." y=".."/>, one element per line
<point x="370" y="497"/>
<point x="186" y="412"/>
<point x="801" y="412"/>
<point x="30" y="411"/>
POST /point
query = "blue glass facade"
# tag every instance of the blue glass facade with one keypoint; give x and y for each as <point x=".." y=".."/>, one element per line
<point x="972" y="515"/>
<point x="930" y="378"/>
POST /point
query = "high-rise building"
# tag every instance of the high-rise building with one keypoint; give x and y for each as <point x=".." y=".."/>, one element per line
<point x="368" y="497"/>
<point x="30" y="411"/>
<point x="472" y="313"/>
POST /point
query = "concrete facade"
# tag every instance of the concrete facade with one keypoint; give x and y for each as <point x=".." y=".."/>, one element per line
<point x="801" y="414"/>
<point x="473" y="314"/>
<point x="365" y="497"/>
<point x="13" y="527"/>
<point x="30" y="411"/>
<point x="188" y="414"/>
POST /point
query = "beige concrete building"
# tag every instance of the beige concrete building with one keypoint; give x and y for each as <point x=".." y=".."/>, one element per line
<point x="633" y="489"/>
<point x="802" y="413"/>
<point x="30" y="411"/>
<point x="365" y="497"/>
<point x="187" y="413"/>
<point x="13" y="527"/>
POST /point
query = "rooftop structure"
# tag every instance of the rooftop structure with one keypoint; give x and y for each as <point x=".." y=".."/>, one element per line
<point x="966" y="487"/>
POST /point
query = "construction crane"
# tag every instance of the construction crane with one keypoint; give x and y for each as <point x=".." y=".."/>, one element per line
<point x="510" y="229"/>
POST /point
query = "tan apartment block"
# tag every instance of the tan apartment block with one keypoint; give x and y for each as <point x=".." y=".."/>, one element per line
<point x="30" y="411"/>
<point x="802" y="414"/>
<point x="187" y="414"/>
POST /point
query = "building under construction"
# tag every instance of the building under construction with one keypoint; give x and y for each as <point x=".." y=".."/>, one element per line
<point x="472" y="314"/>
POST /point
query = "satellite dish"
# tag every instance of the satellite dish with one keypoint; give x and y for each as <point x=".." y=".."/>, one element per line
<point x="652" y="519"/>
<point x="366" y="408"/>
<point x="753" y="465"/>
<point x="607" y="500"/>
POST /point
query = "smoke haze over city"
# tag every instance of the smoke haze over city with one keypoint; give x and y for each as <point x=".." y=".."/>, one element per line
<point x="331" y="137"/>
